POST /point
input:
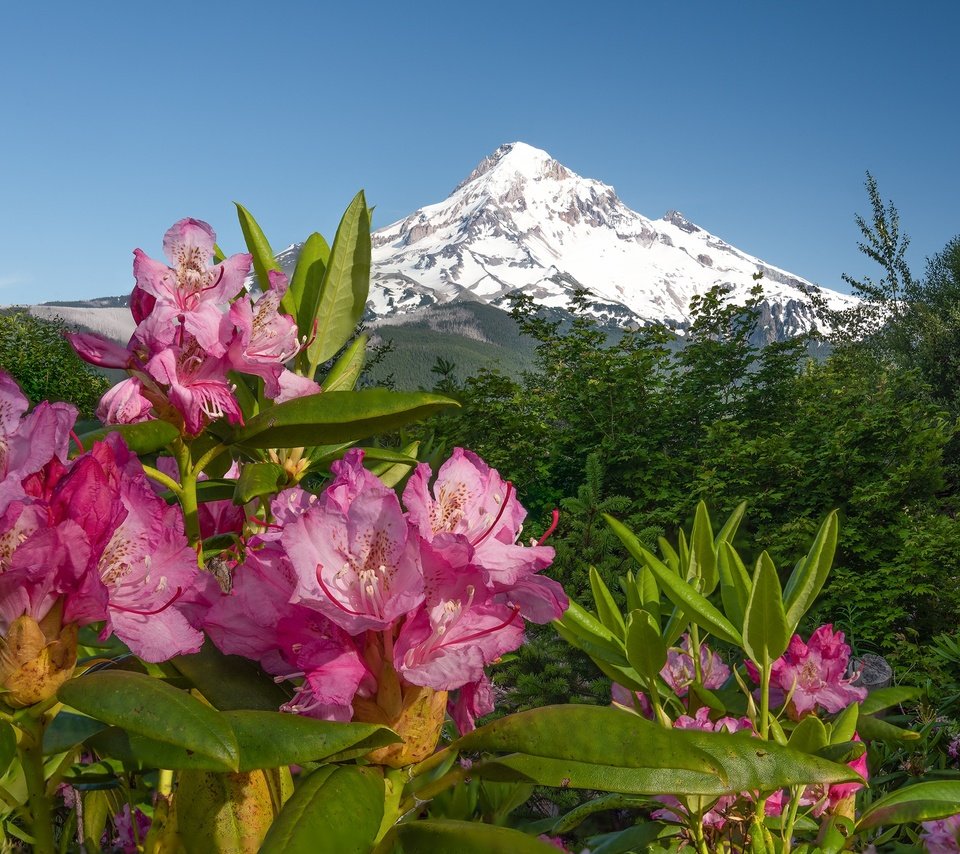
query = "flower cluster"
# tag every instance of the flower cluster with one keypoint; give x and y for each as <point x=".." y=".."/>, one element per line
<point x="380" y="611"/>
<point x="943" y="836"/>
<point x="82" y="541"/>
<point x="194" y="326"/>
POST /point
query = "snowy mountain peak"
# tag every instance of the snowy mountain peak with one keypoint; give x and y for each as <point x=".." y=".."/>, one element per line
<point x="515" y="161"/>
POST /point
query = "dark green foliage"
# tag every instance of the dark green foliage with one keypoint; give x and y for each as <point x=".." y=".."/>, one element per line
<point x="35" y="353"/>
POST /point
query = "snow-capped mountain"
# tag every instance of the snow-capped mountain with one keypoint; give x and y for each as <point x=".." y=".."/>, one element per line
<point x="523" y="221"/>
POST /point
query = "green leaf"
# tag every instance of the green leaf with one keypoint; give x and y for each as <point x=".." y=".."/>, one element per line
<point x="337" y="416"/>
<point x="148" y="707"/>
<point x="730" y="527"/>
<point x="702" y="553"/>
<point x="735" y="584"/>
<point x="584" y="626"/>
<point x="920" y="802"/>
<point x="646" y="651"/>
<point x="676" y="589"/>
<point x="765" y="634"/>
<point x="140" y="753"/>
<point x="607" y="609"/>
<point x="346" y="370"/>
<point x="143" y="438"/>
<point x="466" y="837"/>
<point x="257" y="479"/>
<point x="843" y="751"/>
<point x="648" y="591"/>
<point x="346" y="281"/>
<point x="272" y="739"/>
<point x="870" y="728"/>
<point x="392" y="475"/>
<point x="884" y="698"/>
<point x="809" y="736"/>
<point x="8" y="746"/>
<point x="335" y="809"/>
<point x="230" y="681"/>
<point x="258" y="246"/>
<point x="300" y="300"/>
<point x="68" y="730"/>
<point x="845" y="725"/>
<point x="808" y="577"/>
<point x="670" y="557"/>
<point x="630" y="841"/>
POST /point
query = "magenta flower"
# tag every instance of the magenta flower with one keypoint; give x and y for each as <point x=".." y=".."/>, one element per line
<point x="193" y="293"/>
<point x="125" y="403"/>
<point x="813" y="674"/>
<point x="360" y="567"/>
<point x="825" y="800"/>
<point x="474" y="700"/>
<point x="130" y="830"/>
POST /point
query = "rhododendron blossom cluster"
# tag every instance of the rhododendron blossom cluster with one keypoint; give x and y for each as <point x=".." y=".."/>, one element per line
<point x="363" y="600"/>
<point x="195" y="325"/>
<point x="82" y="541"/>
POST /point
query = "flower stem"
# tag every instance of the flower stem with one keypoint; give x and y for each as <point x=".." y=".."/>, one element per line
<point x="161" y="478"/>
<point x="208" y="458"/>
<point x="451" y="778"/>
<point x="31" y="759"/>
<point x="188" y="492"/>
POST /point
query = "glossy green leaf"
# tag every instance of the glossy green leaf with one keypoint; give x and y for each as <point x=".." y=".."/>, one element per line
<point x="765" y="634"/>
<point x="732" y="525"/>
<point x="148" y="707"/>
<point x="583" y="625"/>
<point x="920" y="802"/>
<point x="67" y="730"/>
<point x="735" y="583"/>
<point x="335" y="809"/>
<point x="146" y="437"/>
<point x="703" y="557"/>
<point x="392" y="475"/>
<point x="346" y="282"/>
<point x="8" y="746"/>
<point x="844" y="751"/>
<point x="272" y="739"/>
<point x="258" y="479"/>
<point x="629" y="841"/>
<point x="346" y="370"/>
<point x="466" y="837"/>
<point x="606" y="605"/>
<point x="685" y="597"/>
<point x="258" y="246"/>
<point x="670" y="557"/>
<point x="809" y="736"/>
<point x="809" y="576"/>
<point x="845" y="724"/>
<point x="337" y="416"/>
<point x="646" y="651"/>
<point x="884" y="698"/>
<point x="230" y="681"/>
<point x="871" y="728"/>
<point x="300" y="300"/>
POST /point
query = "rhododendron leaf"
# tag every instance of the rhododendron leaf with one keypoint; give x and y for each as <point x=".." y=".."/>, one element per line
<point x="245" y="395"/>
<point x="646" y="651"/>
<point x="272" y="739"/>
<point x="68" y="730"/>
<point x="809" y="736"/>
<point x="676" y="625"/>
<point x="583" y="626"/>
<point x="683" y="595"/>
<point x="628" y="585"/>
<point x="808" y="577"/>
<point x="670" y="557"/>
<point x="258" y="246"/>
<point x="636" y="838"/>
<point x="149" y="707"/>
<point x="844" y="751"/>
<point x="346" y="282"/>
<point x="708" y="698"/>
<point x="346" y="370"/>
<point x="300" y="300"/>
<point x="919" y="802"/>
<point x="214" y="489"/>
<point x="683" y="555"/>
<point x="612" y="663"/>
<point x="844" y="726"/>
<point x="8" y="746"/>
<point x="334" y="809"/>
<point x="883" y="698"/>
<point x="732" y="525"/>
<point x="337" y="416"/>
<point x="606" y="605"/>
<point x="735" y="583"/>
<point x="393" y="474"/>
<point x="466" y="837"/>
<point x="703" y="556"/>
<point x="388" y="455"/>
<point x="146" y="437"/>
<point x="230" y="681"/>
<point x="765" y="634"/>
<point x="143" y="754"/>
<point x="257" y="479"/>
<point x="870" y="727"/>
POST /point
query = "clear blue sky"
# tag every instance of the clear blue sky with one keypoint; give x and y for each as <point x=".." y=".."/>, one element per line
<point x="756" y="119"/>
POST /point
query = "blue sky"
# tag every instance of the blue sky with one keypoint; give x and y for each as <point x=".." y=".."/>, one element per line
<point x="756" y="119"/>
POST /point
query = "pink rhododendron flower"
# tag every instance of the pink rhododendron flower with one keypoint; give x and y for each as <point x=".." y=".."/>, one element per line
<point x="827" y="801"/>
<point x="130" y="830"/>
<point x="125" y="403"/>
<point x="193" y="293"/>
<point x="941" y="836"/>
<point x="636" y="701"/>
<point x="474" y="700"/>
<point x="679" y="672"/>
<point x="263" y="340"/>
<point x="813" y="674"/>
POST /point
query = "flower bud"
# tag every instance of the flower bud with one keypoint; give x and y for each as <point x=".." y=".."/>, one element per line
<point x="418" y="723"/>
<point x="36" y="658"/>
